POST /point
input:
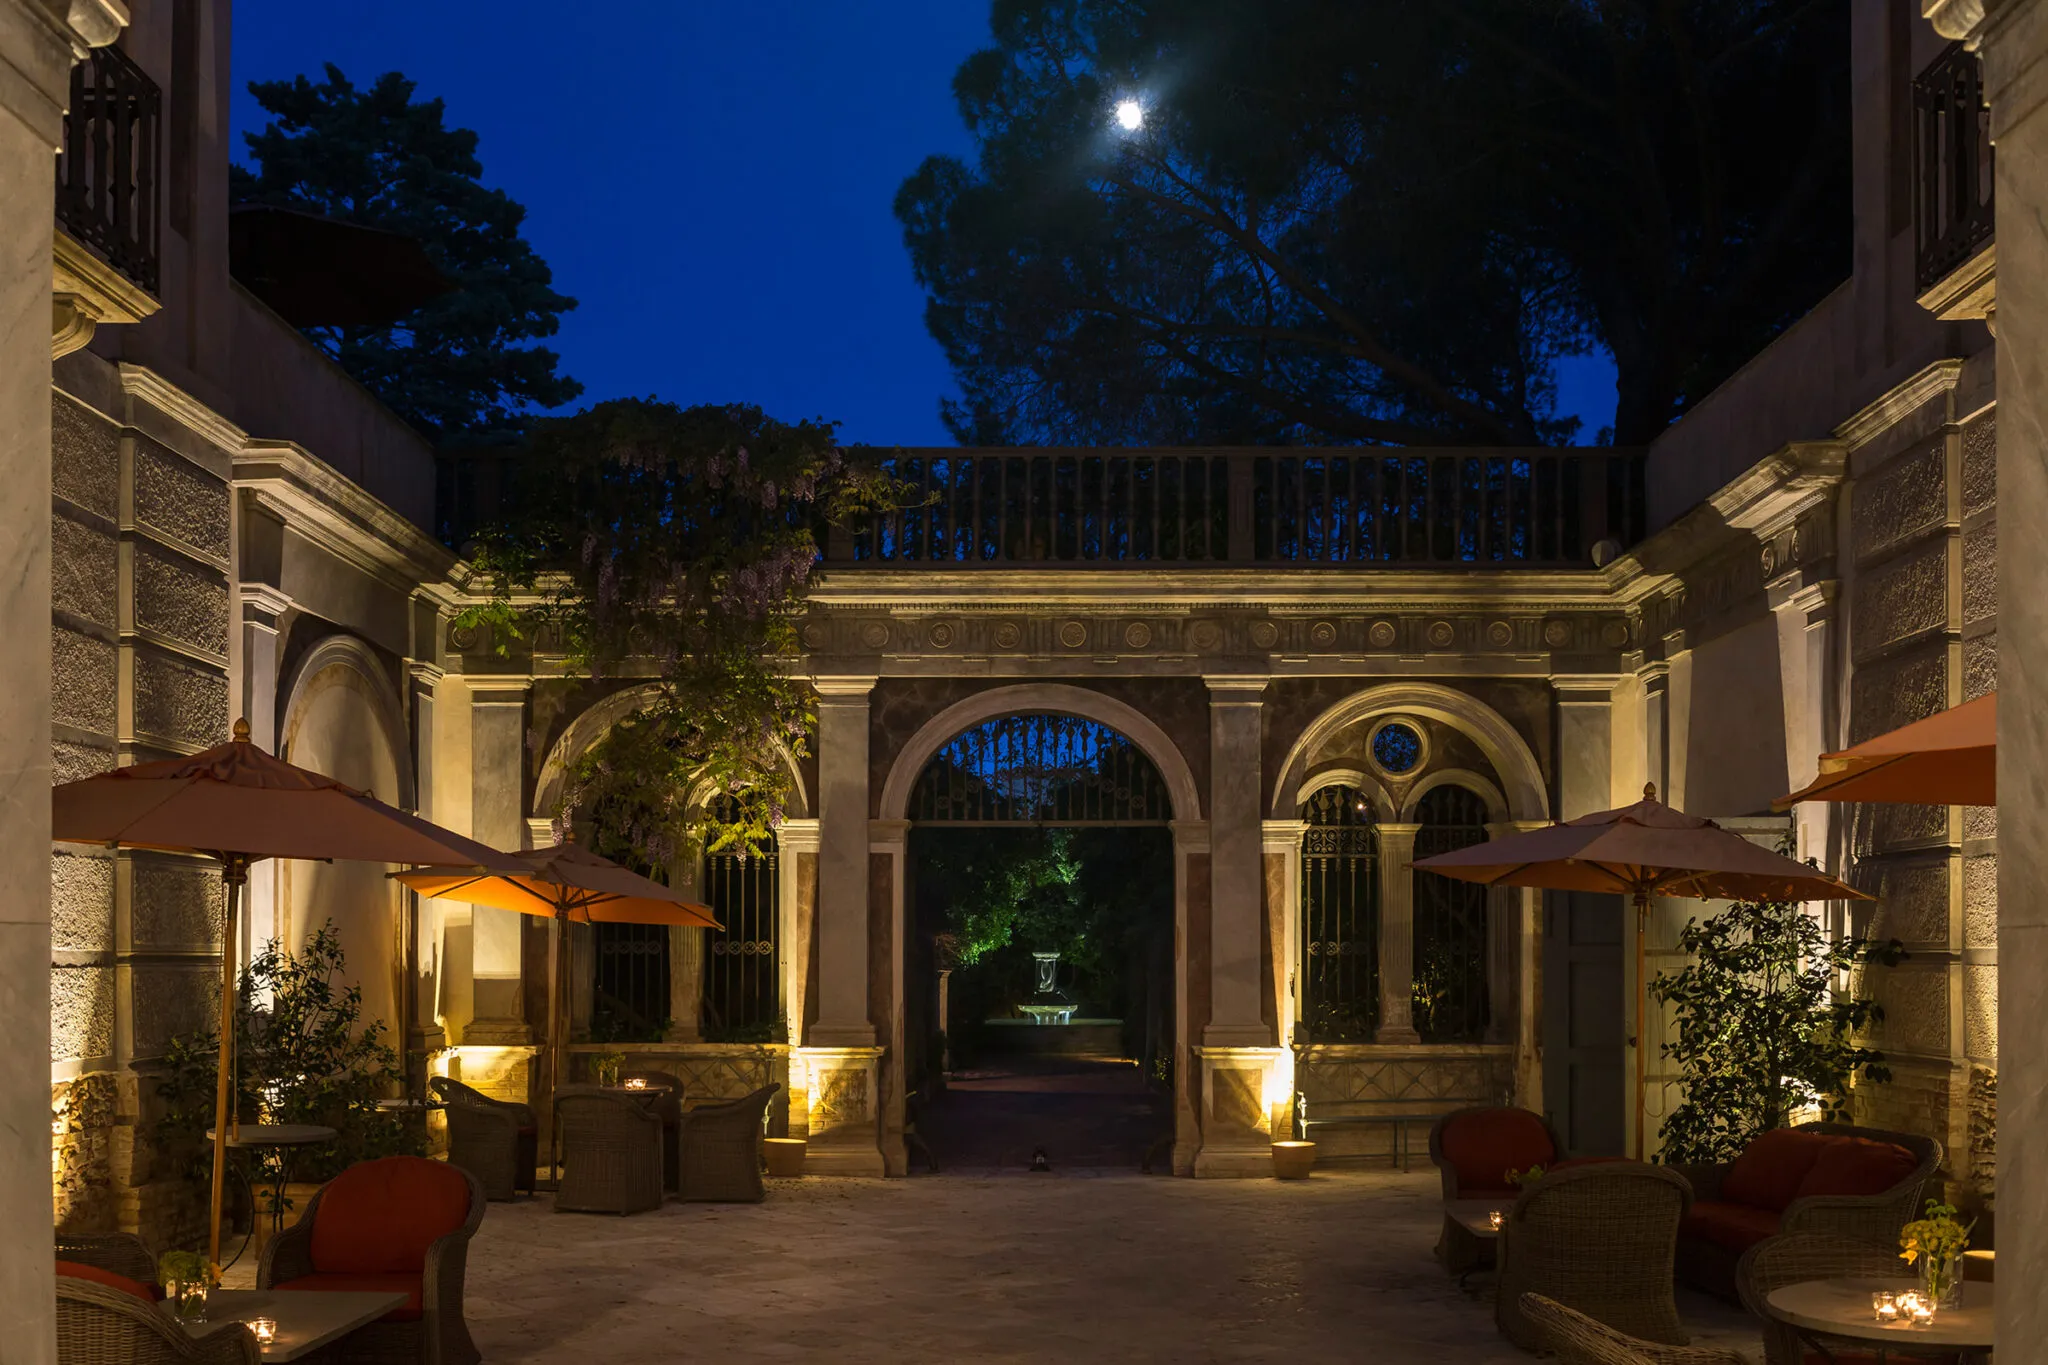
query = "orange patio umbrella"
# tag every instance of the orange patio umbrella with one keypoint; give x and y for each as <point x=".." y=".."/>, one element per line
<point x="239" y="805"/>
<point x="1641" y="851"/>
<point x="569" y="884"/>
<point x="1948" y="759"/>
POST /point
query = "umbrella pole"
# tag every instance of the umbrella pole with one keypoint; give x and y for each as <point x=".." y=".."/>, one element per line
<point x="558" y="1010"/>
<point x="1642" y="1014"/>
<point x="234" y="871"/>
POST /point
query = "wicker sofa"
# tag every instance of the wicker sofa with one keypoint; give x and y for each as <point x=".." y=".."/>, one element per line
<point x="612" y="1152"/>
<point x="497" y="1141"/>
<point x="399" y="1224"/>
<point x="1776" y="1262"/>
<point x="101" y="1324"/>
<point x="1830" y="1178"/>
<point x="1579" y="1340"/>
<point x="721" y="1149"/>
<point x="1597" y="1238"/>
<point x="1473" y="1150"/>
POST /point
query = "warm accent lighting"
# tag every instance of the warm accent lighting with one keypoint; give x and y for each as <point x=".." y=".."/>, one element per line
<point x="1130" y="115"/>
<point x="1493" y="1220"/>
<point x="636" y="1084"/>
<point x="265" y="1330"/>
<point x="1884" y="1306"/>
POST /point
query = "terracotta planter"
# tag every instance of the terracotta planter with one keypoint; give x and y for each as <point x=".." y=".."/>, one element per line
<point x="1293" y="1160"/>
<point x="785" y="1156"/>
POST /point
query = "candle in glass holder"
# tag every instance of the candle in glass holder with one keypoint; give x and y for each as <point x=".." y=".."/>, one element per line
<point x="1884" y="1306"/>
<point x="636" y="1084"/>
<point x="1493" y="1220"/>
<point x="1921" y="1311"/>
<point x="265" y="1330"/>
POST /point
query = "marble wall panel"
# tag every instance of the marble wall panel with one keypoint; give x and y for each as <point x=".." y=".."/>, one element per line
<point x="180" y="500"/>
<point x="1912" y="900"/>
<point x="82" y="571"/>
<point x="1902" y="501"/>
<point x="176" y="598"/>
<point x="177" y="904"/>
<point x="177" y="700"/>
<point x="1897" y="691"/>
<point x="1980" y="901"/>
<point x="82" y="681"/>
<point x="1980" y="666"/>
<point x="170" y="1002"/>
<point x="81" y="1012"/>
<point x="1980" y="464"/>
<point x="85" y="457"/>
<point x="81" y="902"/>
<point x="1901" y="599"/>
<point x="1980" y="573"/>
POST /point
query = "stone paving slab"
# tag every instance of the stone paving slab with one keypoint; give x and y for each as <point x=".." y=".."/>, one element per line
<point x="1066" y="1268"/>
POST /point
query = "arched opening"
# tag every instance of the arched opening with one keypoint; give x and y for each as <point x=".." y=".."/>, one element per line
<point x="1451" y="997"/>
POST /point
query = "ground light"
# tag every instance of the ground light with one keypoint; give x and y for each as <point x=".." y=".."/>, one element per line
<point x="1130" y="115"/>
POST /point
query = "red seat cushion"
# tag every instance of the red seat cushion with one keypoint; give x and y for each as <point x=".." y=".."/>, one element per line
<point x="1485" y="1145"/>
<point x="379" y="1217"/>
<point x="1768" y="1173"/>
<point x="78" y="1270"/>
<point x="408" y="1285"/>
<point x="1850" y="1165"/>
<point x="1733" y="1227"/>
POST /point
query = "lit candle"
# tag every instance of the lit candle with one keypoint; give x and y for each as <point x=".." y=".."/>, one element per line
<point x="1884" y="1307"/>
<point x="265" y="1330"/>
<point x="1493" y="1220"/>
<point x="636" y="1084"/>
<point x="1921" y="1311"/>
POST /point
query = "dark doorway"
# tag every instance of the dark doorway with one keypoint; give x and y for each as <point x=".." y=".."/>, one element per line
<point x="1584" y="1021"/>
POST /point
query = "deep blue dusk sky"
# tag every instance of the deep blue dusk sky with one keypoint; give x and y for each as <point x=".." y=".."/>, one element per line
<point x="712" y="182"/>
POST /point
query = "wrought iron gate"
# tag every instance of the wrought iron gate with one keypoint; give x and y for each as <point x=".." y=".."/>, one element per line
<point x="1450" y="923"/>
<point x="742" y="986"/>
<point x="1340" y="918"/>
<point x="1040" y="769"/>
<point x="631" y="1004"/>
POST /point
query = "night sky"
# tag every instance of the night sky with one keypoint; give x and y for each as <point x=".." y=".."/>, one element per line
<point x="711" y="182"/>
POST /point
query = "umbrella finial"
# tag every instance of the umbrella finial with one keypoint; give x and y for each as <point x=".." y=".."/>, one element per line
<point x="1649" y="791"/>
<point x="241" y="731"/>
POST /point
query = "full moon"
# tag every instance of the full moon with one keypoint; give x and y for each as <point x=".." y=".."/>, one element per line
<point x="1130" y="115"/>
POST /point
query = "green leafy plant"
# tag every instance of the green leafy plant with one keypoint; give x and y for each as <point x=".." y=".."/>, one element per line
<point x="1528" y="1177"/>
<point x="1941" y="1233"/>
<point x="605" y="1066"/>
<point x="1762" y="1032"/>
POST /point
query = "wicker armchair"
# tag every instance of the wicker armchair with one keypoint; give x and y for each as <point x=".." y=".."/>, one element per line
<point x="1579" y="1340"/>
<point x="496" y="1141"/>
<point x="438" y="1336"/>
<point x="1778" y="1261"/>
<point x="100" y="1325"/>
<point x="668" y="1103"/>
<point x="1871" y="1218"/>
<point x="721" y="1157"/>
<point x="612" y="1152"/>
<point x="1600" y="1239"/>
<point x="1473" y="1149"/>
<point x="121" y="1252"/>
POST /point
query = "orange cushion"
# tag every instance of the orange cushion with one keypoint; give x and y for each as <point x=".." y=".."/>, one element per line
<point x="408" y="1285"/>
<point x="1484" y="1146"/>
<point x="1850" y="1165"/>
<point x="379" y="1217"/>
<point x="77" y="1270"/>
<point x="1768" y="1173"/>
<point x="1735" y="1227"/>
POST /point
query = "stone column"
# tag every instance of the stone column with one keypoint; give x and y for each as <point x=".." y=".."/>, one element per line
<point x="1237" y="879"/>
<point x="1397" y="935"/>
<point x="1281" y="844"/>
<point x="687" y="946"/>
<point x="497" y="719"/>
<point x="796" y="889"/>
<point x="38" y="41"/>
<point x="2014" y="40"/>
<point x="256" y="701"/>
<point x="424" y="1036"/>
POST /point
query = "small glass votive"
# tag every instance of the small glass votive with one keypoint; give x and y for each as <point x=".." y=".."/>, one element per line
<point x="1921" y="1311"/>
<point x="1884" y="1306"/>
<point x="1494" y="1220"/>
<point x="636" y="1084"/>
<point x="264" y="1330"/>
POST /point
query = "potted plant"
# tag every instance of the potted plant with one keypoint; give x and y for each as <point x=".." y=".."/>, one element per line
<point x="1936" y="1245"/>
<point x="186" y="1278"/>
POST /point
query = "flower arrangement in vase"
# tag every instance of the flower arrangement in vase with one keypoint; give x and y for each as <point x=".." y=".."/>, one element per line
<point x="1936" y="1244"/>
<point x="186" y="1277"/>
<point x="606" y="1065"/>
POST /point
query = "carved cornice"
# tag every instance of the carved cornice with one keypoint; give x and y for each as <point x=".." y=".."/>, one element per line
<point x="84" y="292"/>
<point x="1900" y="403"/>
<point x="1968" y="291"/>
<point x="336" y="515"/>
<point x="94" y="23"/>
<point x="181" y="407"/>
<point x="1140" y="590"/>
<point x="1955" y="18"/>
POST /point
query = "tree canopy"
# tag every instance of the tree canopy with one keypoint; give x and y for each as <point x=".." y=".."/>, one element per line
<point x="1348" y="221"/>
<point x="463" y="367"/>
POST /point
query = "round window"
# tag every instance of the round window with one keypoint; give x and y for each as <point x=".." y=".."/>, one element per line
<point x="1397" y="748"/>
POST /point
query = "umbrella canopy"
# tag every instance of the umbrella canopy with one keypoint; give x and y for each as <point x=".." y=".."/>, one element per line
<point x="1948" y="759"/>
<point x="240" y="805"/>
<point x="1641" y="851"/>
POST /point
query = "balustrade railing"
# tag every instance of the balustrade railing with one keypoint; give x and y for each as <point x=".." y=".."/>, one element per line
<point x="108" y="167"/>
<point x="1335" y="507"/>
<point x="1952" y="216"/>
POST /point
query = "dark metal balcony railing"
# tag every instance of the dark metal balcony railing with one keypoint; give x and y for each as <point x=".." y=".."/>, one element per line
<point x="107" y="171"/>
<point x="1330" y="507"/>
<point x="1951" y="164"/>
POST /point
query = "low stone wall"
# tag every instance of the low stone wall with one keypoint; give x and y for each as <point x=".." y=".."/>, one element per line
<point x="1334" y="1080"/>
<point x="710" y="1072"/>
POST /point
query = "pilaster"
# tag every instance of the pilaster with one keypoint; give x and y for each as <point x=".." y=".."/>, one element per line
<point x="796" y="845"/>
<point x="1236" y="873"/>
<point x="842" y="932"/>
<point x="1397" y="935"/>
<point x="497" y="717"/>
<point x="888" y="849"/>
<point x="1585" y="743"/>
<point x="1280" y="841"/>
<point x="1246" y="1091"/>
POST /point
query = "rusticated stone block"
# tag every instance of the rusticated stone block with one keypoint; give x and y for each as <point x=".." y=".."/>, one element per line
<point x="1890" y="825"/>
<point x="1980" y="901"/>
<point x="1980" y="666"/>
<point x="1980" y="573"/>
<point x="1912" y="900"/>
<point x="81" y="902"/>
<point x="69" y="762"/>
<point x="176" y="598"/>
<point x="1980" y="822"/>
<point x="81" y="1012"/>
<point x="1896" y="692"/>
<point x="1980" y="1011"/>
<point x="177" y="499"/>
<point x="1901" y="599"/>
<point x="177" y="903"/>
<point x="82" y="571"/>
<point x="82" y="685"/>
<point x="177" y="700"/>
<point x="170" y="1002"/>
<point x="1915" y="1000"/>
<point x="85" y="457"/>
<point x="1899" y="503"/>
<point x="1980" y="464"/>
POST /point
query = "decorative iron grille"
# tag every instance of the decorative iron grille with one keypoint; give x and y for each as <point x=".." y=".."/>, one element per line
<point x="742" y="980"/>
<point x="1450" y="1003"/>
<point x="1040" y="769"/>
<point x="631" y="1004"/>
<point x="1340" y="918"/>
<point x="1952" y="205"/>
<point x="107" y="173"/>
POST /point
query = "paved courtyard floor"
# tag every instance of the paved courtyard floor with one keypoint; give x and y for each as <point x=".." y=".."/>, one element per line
<point x="1069" y="1267"/>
